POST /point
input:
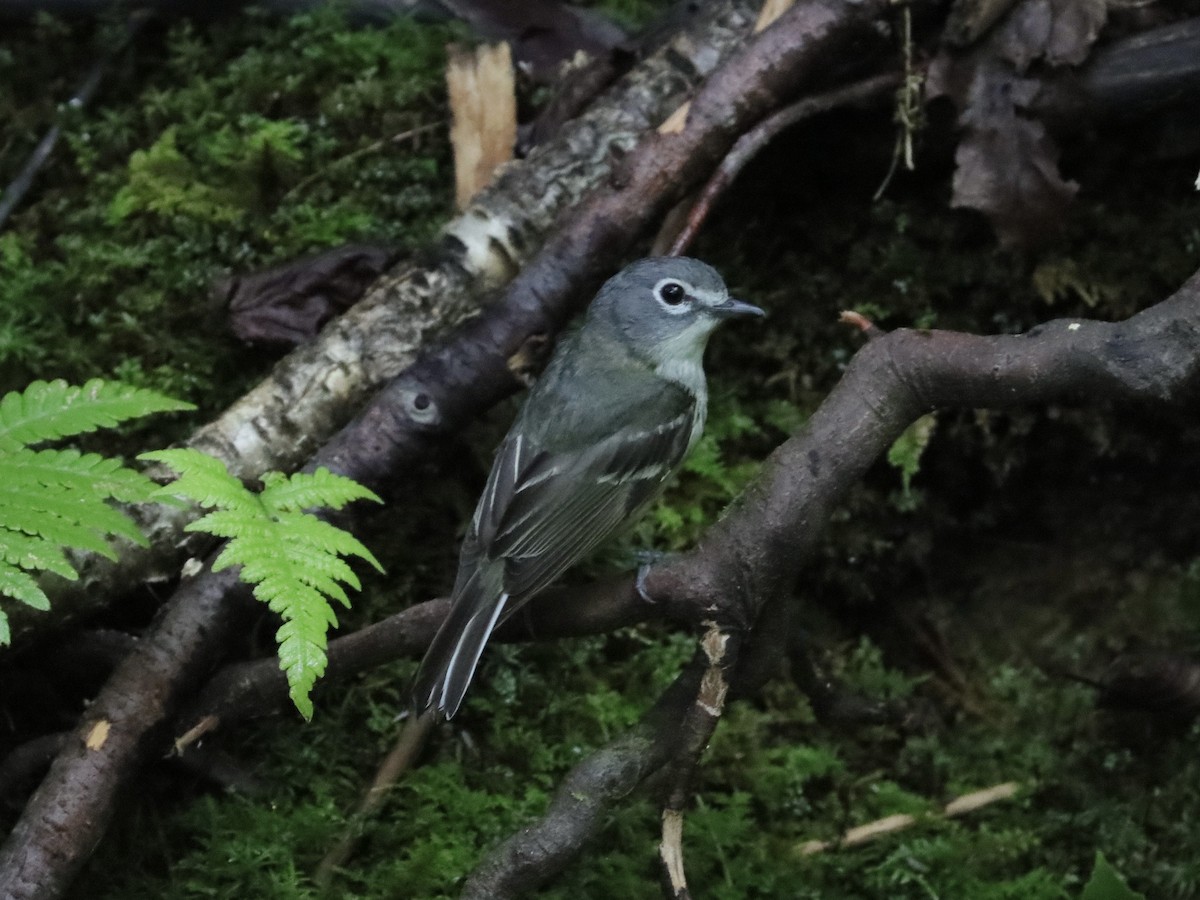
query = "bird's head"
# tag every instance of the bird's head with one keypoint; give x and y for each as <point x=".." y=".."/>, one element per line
<point x="663" y="309"/>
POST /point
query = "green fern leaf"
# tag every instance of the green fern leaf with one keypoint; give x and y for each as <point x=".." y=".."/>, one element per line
<point x="36" y="509"/>
<point x="306" y="490"/>
<point x="51" y="500"/>
<point x="249" y="524"/>
<point x="33" y="552"/>
<point x="46" y="411"/>
<point x="90" y="473"/>
<point x="301" y="657"/>
<point x="202" y="478"/>
<point x="294" y="561"/>
<point x="21" y="586"/>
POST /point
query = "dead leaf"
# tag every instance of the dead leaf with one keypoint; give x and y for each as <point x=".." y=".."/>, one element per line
<point x="483" y="102"/>
<point x="288" y="304"/>
<point x="543" y="33"/>
<point x="1007" y="163"/>
<point x="1061" y="32"/>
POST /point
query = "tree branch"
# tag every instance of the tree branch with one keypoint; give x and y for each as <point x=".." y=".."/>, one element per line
<point x="543" y="849"/>
<point x="754" y="553"/>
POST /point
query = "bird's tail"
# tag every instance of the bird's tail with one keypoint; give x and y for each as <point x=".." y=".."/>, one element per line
<point x="450" y="662"/>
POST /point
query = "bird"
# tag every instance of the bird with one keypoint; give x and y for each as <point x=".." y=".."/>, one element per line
<point x="621" y="402"/>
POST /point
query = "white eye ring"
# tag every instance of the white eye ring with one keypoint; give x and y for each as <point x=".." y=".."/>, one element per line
<point x="672" y="294"/>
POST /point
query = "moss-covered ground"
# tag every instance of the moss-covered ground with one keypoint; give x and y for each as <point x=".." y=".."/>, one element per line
<point x="1027" y="544"/>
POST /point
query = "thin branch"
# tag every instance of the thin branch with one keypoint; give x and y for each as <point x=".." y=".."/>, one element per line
<point x="399" y="760"/>
<point x="21" y="184"/>
<point x="544" y="848"/>
<point x="700" y="721"/>
<point x="750" y="144"/>
<point x="959" y="806"/>
<point x="246" y="690"/>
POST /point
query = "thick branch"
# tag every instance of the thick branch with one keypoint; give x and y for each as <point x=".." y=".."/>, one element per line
<point x="753" y="553"/>
<point x="120" y="732"/>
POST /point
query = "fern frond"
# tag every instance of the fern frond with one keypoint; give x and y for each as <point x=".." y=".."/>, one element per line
<point x="38" y="509"/>
<point x="89" y="473"/>
<point x="317" y="570"/>
<point x="35" y="553"/>
<point x="293" y="560"/>
<point x="21" y="586"/>
<point x="301" y="657"/>
<point x="65" y="519"/>
<point x="249" y="523"/>
<point x="308" y="530"/>
<point x="48" y="410"/>
<point x="202" y="478"/>
<point x="305" y="490"/>
<point x="51" y="500"/>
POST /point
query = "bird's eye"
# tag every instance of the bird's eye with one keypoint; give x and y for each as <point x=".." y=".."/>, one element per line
<point x="672" y="293"/>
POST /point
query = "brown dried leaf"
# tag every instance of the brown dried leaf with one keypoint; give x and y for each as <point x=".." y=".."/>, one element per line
<point x="969" y="20"/>
<point x="288" y="304"/>
<point x="1059" y="31"/>
<point x="1007" y="163"/>
<point x="543" y="33"/>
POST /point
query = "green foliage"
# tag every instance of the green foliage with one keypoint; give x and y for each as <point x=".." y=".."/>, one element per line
<point x="905" y="455"/>
<point x="53" y="500"/>
<point x="1107" y="884"/>
<point x="212" y="148"/>
<point x="292" y="558"/>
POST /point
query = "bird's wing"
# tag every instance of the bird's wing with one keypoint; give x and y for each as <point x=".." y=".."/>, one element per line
<point x="541" y="511"/>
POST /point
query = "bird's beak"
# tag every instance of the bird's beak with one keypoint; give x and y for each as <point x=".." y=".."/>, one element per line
<point x="731" y="308"/>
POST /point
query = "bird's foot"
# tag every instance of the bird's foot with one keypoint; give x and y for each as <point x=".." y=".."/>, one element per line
<point x="647" y="559"/>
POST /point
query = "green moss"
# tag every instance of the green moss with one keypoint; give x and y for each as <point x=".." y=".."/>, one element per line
<point x="212" y="149"/>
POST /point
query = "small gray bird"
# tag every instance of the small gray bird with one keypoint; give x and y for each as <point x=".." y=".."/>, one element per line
<point x="616" y="411"/>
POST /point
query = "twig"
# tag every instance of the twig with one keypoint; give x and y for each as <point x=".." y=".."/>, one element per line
<point x="409" y="744"/>
<point x="959" y="806"/>
<point x="20" y="185"/>
<point x="908" y="113"/>
<point x="350" y="157"/>
<point x="752" y="142"/>
<point x="720" y="653"/>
